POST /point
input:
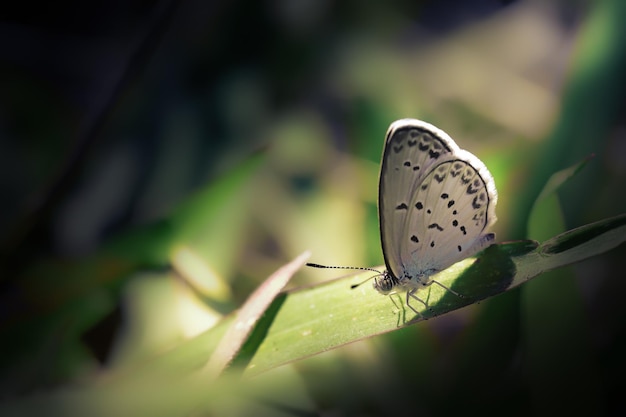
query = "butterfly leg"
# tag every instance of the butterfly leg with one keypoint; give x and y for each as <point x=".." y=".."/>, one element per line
<point x="447" y="289"/>
<point x="411" y="294"/>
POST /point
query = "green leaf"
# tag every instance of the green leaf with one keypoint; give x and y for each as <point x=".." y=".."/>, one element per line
<point x="249" y="314"/>
<point x="545" y="218"/>
<point x="330" y="315"/>
<point x="553" y="309"/>
<point x="316" y="319"/>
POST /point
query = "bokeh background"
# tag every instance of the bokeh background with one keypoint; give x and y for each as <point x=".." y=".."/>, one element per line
<point x="115" y="116"/>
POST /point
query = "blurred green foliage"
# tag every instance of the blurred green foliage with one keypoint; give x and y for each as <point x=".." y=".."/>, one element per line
<point x="159" y="161"/>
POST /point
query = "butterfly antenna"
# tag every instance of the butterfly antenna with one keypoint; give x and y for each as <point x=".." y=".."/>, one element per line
<point x="360" y="268"/>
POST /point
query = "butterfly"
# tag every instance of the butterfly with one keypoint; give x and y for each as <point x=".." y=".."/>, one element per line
<point x="436" y="203"/>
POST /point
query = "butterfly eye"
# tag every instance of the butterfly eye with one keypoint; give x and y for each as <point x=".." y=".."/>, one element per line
<point x="385" y="283"/>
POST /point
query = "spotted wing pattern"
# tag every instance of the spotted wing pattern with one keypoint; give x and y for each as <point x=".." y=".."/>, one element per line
<point x="435" y="202"/>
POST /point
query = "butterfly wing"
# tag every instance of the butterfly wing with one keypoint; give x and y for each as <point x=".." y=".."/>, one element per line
<point x="449" y="213"/>
<point x="435" y="201"/>
<point x="411" y="149"/>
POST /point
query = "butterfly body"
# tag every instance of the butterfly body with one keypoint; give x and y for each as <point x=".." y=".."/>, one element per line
<point x="436" y="202"/>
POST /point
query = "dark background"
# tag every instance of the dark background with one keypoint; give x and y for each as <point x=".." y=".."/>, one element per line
<point x="112" y="114"/>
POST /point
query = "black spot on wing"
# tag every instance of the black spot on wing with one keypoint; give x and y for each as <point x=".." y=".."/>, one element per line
<point x="435" y="226"/>
<point x="467" y="176"/>
<point x="402" y="207"/>
<point x="414" y="239"/>
<point x="450" y="203"/>
<point x="474" y="187"/>
<point x="456" y="170"/>
<point x="479" y="218"/>
<point x="419" y="205"/>
<point x="444" y="196"/>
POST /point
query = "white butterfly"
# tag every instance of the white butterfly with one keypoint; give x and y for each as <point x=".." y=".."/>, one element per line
<point x="435" y="204"/>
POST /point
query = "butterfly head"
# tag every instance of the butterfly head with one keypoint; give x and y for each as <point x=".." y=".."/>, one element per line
<point x="386" y="283"/>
